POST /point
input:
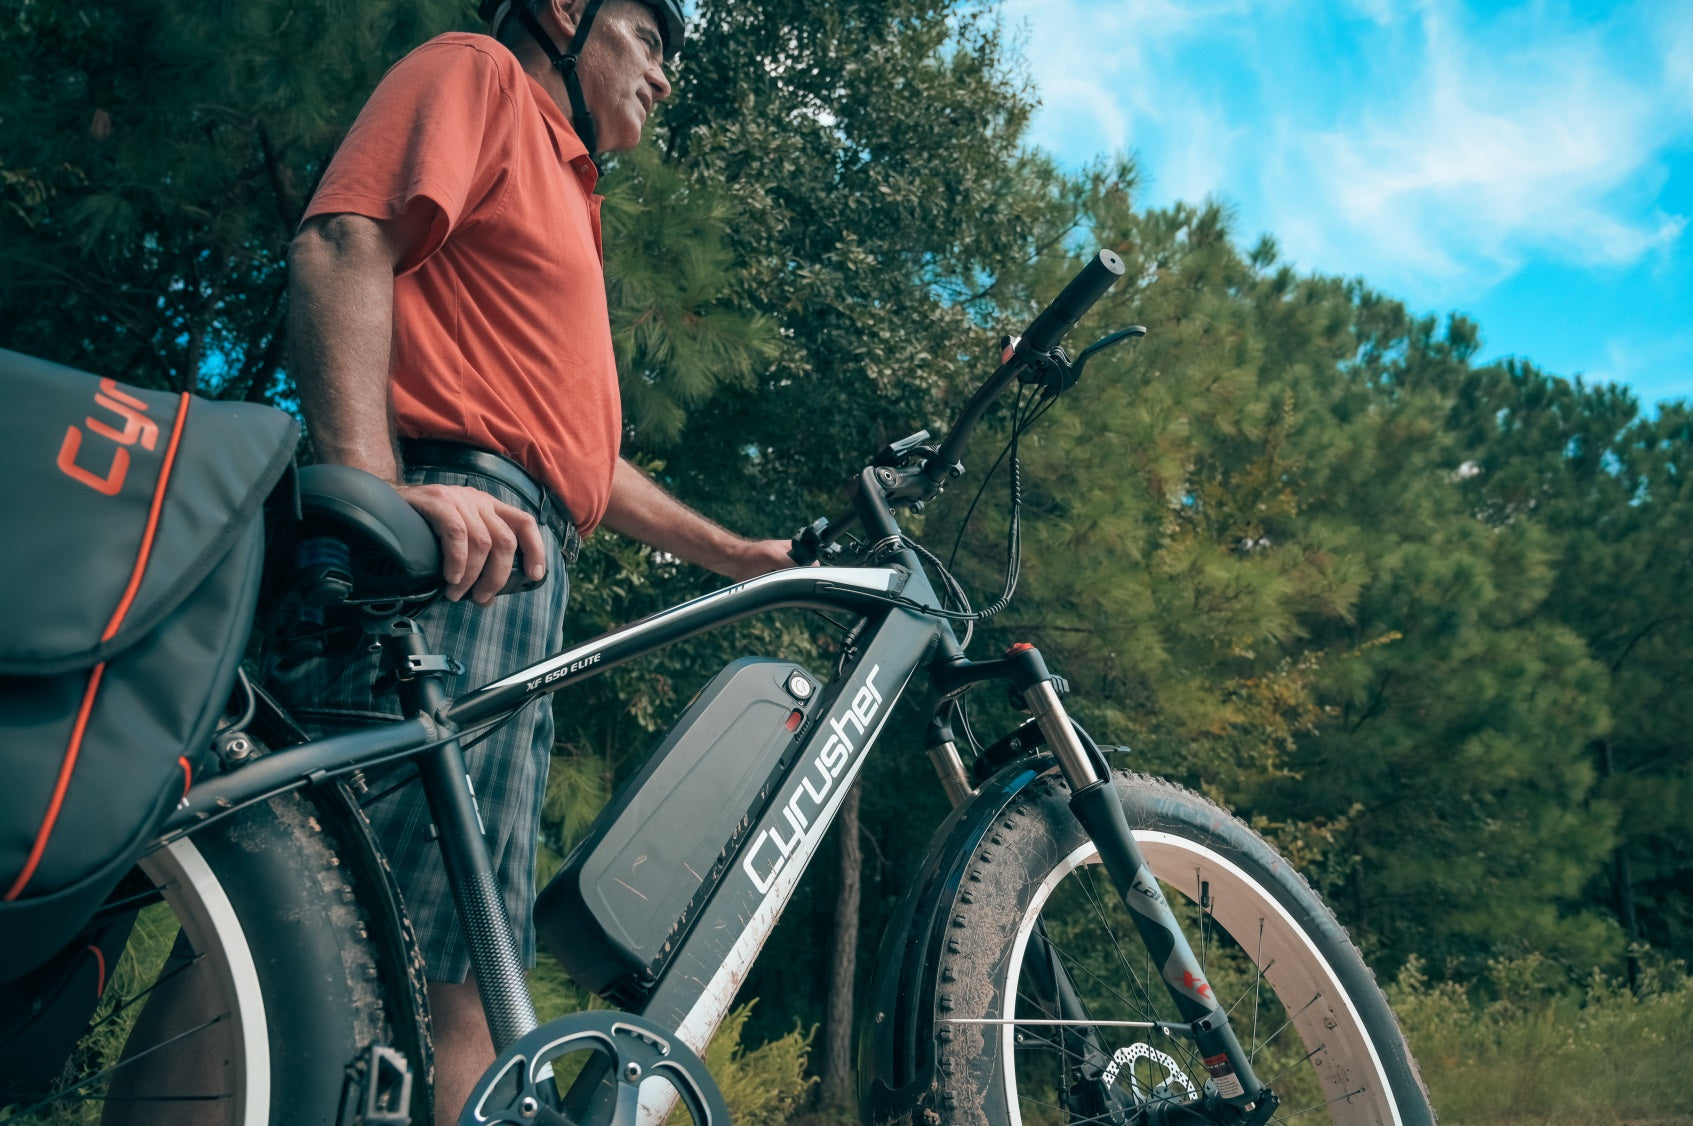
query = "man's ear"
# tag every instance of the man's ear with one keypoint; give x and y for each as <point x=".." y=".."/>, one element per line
<point x="564" y="14"/>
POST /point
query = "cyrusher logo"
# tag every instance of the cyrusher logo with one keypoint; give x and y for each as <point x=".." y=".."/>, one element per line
<point x="806" y="801"/>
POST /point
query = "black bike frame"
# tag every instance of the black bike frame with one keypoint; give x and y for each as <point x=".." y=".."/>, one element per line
<point x="694" y="991"/>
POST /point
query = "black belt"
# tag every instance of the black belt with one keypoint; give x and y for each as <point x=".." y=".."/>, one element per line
<point x="430" y="453"/>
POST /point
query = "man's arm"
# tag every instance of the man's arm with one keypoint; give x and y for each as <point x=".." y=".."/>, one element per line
<point x="340" y="330"/>
<point x="640" y="509"/>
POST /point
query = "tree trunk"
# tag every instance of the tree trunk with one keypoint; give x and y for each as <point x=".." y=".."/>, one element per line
<point x="843" y="963"/>
<point x="1622" y="880"/>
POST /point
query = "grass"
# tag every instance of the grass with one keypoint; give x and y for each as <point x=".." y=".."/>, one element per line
<point x="1516" y="1050"/>
<point x="763" y="1086"/>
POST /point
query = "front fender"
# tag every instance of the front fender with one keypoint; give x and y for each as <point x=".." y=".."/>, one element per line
<point x="896" y="1058"/>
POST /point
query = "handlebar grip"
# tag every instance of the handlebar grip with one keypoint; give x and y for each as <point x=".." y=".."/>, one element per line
<point x="1077" y="298"/>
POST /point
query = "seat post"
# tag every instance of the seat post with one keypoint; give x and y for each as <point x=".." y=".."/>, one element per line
<point x="494" y="957"/>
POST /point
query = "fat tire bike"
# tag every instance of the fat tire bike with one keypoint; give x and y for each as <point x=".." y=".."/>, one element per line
<point x="1079" y="944"/>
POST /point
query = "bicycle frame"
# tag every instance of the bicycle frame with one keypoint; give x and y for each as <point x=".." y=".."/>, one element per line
<point x="903" y="628"/>
<point x="699" y="981"/>
<point x="738" y="910"/>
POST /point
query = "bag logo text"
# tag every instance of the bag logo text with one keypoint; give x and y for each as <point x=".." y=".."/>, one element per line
<point x="136" y="428"/>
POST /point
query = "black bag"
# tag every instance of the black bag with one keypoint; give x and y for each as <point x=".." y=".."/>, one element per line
<point x="132" y="559"/>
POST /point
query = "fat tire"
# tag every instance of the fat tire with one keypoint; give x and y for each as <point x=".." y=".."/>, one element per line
<point x="992" y="903"/>
<point x="336" y="975"/>
<point x="290" y="903"/>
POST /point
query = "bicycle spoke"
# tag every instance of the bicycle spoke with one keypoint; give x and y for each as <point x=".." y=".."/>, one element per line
<point x="1319" y="1106"/>
<point x="1206" y="920"/>
<point x="1072" y="964"/>
<point x="137" y="901"/>
<point x="1291" y="1018"/>
<point x="1257" y="980"/>
<point x="102" y="1074"/>
<point x="117" y="1011"/>
<point x="1258" y="977"/>
<point x="153" y="1098"/>
<point x="1086" y="879"/>
<point x="1302" y="1059"/>
<point x="1064" y="1110"/>
<point x="1189" y="1052"/>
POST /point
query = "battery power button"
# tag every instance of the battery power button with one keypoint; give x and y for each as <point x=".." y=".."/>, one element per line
<point x="800" y="686"/>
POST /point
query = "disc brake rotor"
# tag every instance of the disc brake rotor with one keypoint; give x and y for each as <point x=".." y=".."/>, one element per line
<point x="1175" y="1084"/>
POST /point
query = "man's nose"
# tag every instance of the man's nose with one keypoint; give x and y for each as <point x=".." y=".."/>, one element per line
<point x="660" y="84"/>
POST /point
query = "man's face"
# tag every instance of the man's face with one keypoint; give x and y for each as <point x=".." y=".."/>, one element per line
<point x="622" y="72"/>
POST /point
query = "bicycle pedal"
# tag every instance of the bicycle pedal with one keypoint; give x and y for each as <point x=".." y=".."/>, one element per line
<point x="378" y="1091"/>
<point x="614" y="1054"/>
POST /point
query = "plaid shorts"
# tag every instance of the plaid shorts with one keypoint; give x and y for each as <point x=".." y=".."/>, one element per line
<point x="508" y="769"/>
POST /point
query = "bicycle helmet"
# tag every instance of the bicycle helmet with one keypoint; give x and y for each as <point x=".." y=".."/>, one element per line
<point x="670" y="27"/>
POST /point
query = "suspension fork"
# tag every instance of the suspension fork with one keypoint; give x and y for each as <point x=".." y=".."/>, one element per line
<point x="1093" y="799"/>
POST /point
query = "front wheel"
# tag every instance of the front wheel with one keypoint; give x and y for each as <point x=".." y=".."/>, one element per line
<point x="1045" y="980"/>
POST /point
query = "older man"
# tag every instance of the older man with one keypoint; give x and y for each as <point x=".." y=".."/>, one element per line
<point x="449" y="334"/>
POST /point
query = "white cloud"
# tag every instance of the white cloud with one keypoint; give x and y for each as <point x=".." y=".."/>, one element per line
<point x="1429" y="149"/>
<point x="1481" y="153"/>
<point x="1102" y="69"/>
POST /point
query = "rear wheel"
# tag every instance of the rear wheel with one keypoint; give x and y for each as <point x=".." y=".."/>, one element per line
<point x="1300" y="998"/>
<point x="256" y="981"/>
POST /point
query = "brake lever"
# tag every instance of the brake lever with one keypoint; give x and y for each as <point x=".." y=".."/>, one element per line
<point x="897" y="453"/>
<point x="816" y="542"/>
<point x="1051" y="371"/>
<point x="807" y="543"/>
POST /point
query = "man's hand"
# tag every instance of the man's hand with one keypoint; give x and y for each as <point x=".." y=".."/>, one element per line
<point x="480" y="538"/>
<point x="759" y="557"/>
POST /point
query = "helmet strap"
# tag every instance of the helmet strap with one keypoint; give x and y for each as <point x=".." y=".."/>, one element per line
<point x="565" y="63"/>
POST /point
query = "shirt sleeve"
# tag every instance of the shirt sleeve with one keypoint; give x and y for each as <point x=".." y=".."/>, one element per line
<point x="428" y="137"/>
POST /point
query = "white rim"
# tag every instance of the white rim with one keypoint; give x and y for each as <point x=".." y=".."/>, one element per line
<point x="211" y="925"/>
<point x="1299" y="970"/>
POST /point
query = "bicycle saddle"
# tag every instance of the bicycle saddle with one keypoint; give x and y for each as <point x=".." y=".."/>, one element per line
<point x="392" y="550"/>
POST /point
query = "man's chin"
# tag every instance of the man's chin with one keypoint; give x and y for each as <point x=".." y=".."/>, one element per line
<point x="623" y="141"/>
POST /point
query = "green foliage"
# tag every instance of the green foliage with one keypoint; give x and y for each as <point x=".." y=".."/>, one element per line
<point x="672" y="284"/>
<point x="1612" y="489"/>
<point x="155" y="159"/>
<point x="1427" y="622"/>
<point x="1523" y="1047"/>
<point x="765" y="1085"/>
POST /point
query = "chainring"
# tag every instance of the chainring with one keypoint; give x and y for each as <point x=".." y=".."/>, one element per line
<point x="620" y="1051"/>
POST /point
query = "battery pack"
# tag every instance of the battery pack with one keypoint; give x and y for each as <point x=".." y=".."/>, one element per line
<point x="632" y="886"/>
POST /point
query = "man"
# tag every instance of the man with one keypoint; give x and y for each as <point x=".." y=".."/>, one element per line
<point x="448" y="312"/>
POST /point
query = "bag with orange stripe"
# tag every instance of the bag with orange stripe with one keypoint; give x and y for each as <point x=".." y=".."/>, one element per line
<point x="132" y="561"/>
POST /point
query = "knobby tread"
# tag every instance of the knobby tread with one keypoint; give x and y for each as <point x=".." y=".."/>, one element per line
<point x="1034" y="834"/>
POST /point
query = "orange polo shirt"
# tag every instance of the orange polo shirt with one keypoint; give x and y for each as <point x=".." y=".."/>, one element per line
<point x="501" y="336"/>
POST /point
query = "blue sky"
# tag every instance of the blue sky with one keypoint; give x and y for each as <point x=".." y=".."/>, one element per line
<point x="1529" y="165"/>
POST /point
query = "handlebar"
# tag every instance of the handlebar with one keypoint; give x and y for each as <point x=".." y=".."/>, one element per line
<point x="1039" y="338"/>
<point x="1067" y="308"/>
<point x="1030" y="351"/>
